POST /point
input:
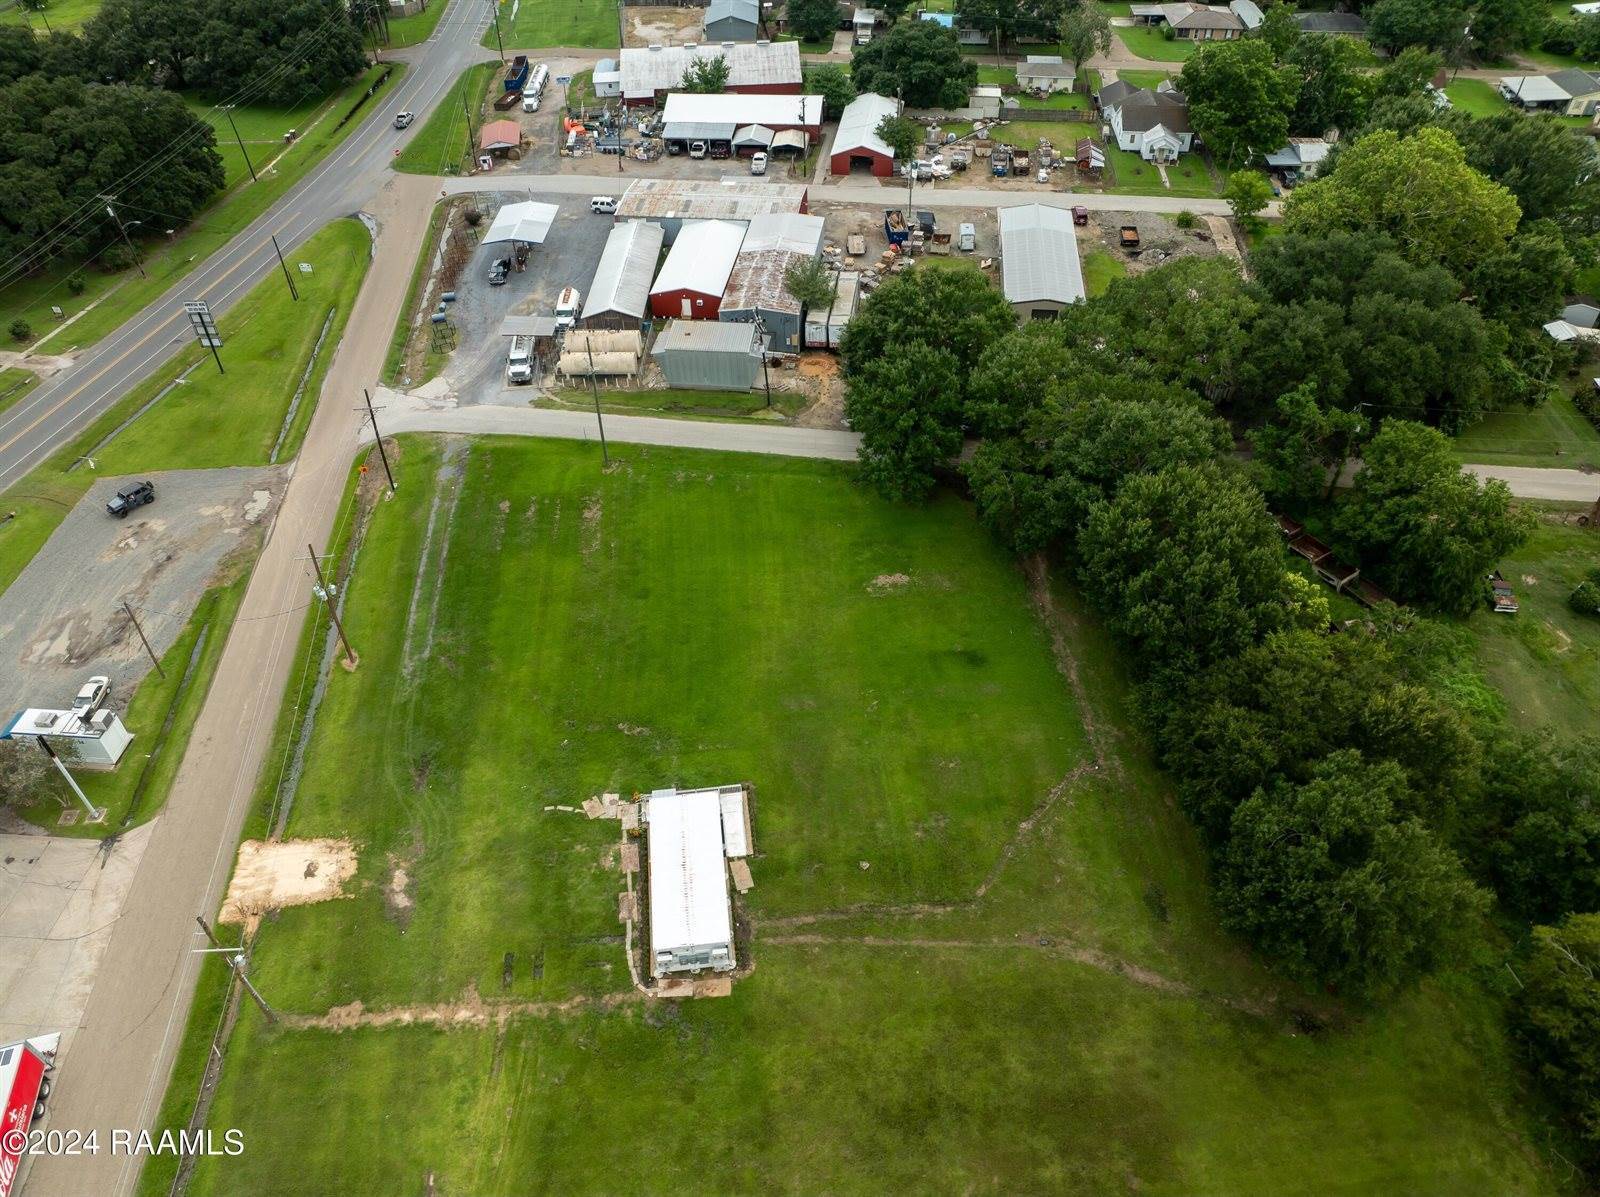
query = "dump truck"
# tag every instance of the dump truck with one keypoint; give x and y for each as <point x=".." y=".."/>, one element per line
<point x="516" y="76"/>
<point x="894" y="226"/>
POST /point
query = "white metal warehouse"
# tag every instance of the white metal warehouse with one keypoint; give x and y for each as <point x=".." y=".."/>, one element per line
<point x="1039" y="265"/>
<point x="691" y="922"/>
<point x="619" y="297"/>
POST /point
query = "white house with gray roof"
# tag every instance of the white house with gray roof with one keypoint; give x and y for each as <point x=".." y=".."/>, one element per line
<point x="1153" y="124"/>
<point x="1573" y="92"/>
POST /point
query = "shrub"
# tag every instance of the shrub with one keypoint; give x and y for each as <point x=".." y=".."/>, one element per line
<point x="1585" y="600"/>
<point x="21" y="330"/>
<point x="76" y="284"/>
<point x="1186" y="219"/>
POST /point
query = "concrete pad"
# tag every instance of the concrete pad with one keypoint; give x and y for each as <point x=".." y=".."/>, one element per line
<point x="742" y="881"/>
<point x="59" y="904"/>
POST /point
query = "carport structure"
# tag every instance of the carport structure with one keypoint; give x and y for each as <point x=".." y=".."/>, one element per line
<point x="523" y="225"/>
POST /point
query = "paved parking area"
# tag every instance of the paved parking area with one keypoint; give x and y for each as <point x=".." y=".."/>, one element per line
<point x="568" y="258"/>
<point x="61" y="621"/>
<point x="59" y="900"/>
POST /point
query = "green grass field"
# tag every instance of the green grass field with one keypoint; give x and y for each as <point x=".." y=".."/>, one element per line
<point x="1101" y="268"/>
<point x="110" y="299"/>
<point x="539" y="24"/>
<point x="1475" y="97"/>
<point x="1148" y="43"/>
<point x="1554" y="434"/>
<point x="418" y="27"/>
<point x="884" y="678"/>
<point x="673" y="401"/>
<point x="65" y="15"/>
<point x="14" y="384"/>
<point x="1132" y="175"/>
<point x="1545" y="659"/>
<point x="440" y="146"/>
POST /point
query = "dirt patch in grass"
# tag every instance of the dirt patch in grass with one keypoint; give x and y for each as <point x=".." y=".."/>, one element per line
<point x="661" y="26"/>
<point x="400" y="890"/>
<point x="272" y="875"/>
<point x="471" y="1010"/>
<point x="884" y="583"/>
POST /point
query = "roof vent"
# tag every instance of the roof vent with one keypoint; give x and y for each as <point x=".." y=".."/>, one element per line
<point x="727" y="45"/>
<point x="761" y="41"/>
<point x="655" y="47"/>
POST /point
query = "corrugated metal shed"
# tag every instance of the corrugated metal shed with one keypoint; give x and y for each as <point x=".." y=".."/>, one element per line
<point x="1039" y="255"/>
<point x="772" y="244"/>
<point x="794" y="231"/>
<point x="776" y="112"/>
<point x="645" y="71"/>
<point x="701" y="258"/>
<point x="705" y="355"/>
<point x="622" y="280"/>
<point x="757" y="137"/>
<point x="528" y="326"/>
<point x="676" y="201"/>
<point x="691" y="924"/>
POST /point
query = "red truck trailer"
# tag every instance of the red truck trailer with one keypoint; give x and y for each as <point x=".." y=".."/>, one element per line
<point x="24" y="1083"/>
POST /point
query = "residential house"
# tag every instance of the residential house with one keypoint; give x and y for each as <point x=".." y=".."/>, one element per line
<point x="1046" y="72"/>
<point x="1573" y="92"/>
<point x="1153" y="124"/>
<point x="1300" y="159"/>
<point x="1192" y="22"/>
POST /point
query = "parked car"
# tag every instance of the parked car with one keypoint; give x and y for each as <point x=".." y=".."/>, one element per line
<point x="498" y="270"/>
<point x="603" y="205"/>
<point x="758" y="164"/>
<point x="91" y="697"/>
<point x="402" y="120"/>
<point x="129" y="497"/>
<point x="697" y="149"/>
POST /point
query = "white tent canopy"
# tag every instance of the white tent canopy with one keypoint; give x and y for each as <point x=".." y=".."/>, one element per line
<point x="528" y="221"/>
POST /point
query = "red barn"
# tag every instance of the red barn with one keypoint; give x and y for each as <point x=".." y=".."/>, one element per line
<point x="696" y="271"/>
<point x="857" y="142"/>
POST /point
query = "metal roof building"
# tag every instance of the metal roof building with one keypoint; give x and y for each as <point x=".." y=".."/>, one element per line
<point x="691" y="920"/>
<point x="754" y="68"/>
<point x="619" y="296"/>
<point x="690" y="116"/>
<point x="695" y="274"/>
<point x="528" y="221"/>
<point x="701" y="355"/>
<point x="857" y="138"/>
<point x="756" y="290"/>
<point x="672" y="202"/>
<point x="732" y="20"/>
<point x="1039" y="265"/>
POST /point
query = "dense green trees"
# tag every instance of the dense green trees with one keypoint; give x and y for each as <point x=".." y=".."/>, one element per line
<point x="1239" y="98"/>
<point x="1185" y="565"/>
<point x="1334" y="93"/>
<point x="917" y="61"/>
<point x="908" y="355"/>
<point x="1085" y="31"/>
<point x="1419" y="190"/>
<point x="290" y="48"/>
<point x="814" y="20"/>
<point x="832" y="82"/>
<point x="1302" y="451"/>
<point x="1422" y="525"/>
<point x="706" y="76"/>
<point x="1335" y="882"/>
<point x="1557" y="1019"/>
<point x="1435" y="24"/>
<point x="64" y="142"/>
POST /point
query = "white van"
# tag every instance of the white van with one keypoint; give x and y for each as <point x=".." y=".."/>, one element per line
<point x="519" y="362"/>
<point x="603" y="205"/>
<point x="568" y="305"/>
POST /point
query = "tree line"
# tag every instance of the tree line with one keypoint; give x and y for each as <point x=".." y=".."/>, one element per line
<point x="1368" y="818"/>
<point x="97" y="113"/>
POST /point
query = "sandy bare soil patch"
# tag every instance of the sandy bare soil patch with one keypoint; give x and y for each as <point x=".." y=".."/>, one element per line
<point x="270" y="876"/>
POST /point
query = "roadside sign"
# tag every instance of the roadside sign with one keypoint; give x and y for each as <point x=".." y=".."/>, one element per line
<point x="205" y="328"/>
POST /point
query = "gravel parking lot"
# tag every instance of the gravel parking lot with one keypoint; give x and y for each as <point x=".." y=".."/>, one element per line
<point x="61" y="621"/>
<point x="568" y="258"/>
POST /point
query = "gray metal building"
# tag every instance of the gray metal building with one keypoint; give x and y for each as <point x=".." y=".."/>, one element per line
<point x="619" y="297"/>
<point x="732" y="20"/>
<point x="1039" y="268"/>
<point x="772" y="244"/>
<point x="705" y="355"/>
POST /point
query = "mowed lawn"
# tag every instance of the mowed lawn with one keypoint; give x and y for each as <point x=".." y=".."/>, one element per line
<point x="536" y="24"/>
<point x="1554" y="434"/>
<point x="440" y="147"/>
<point x="881" y="677"/>
<point x="61" y="15"/>
<point x="1148" y="43"/>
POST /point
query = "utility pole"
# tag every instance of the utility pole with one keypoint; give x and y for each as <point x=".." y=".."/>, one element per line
<point x="373" y="416"/>
<point x="594" y="389"/>
<point x="761" y="348"/>
<point x="236" y="961"/>
<point x="294" y="292"/>
<point x="494" y="7"/>
<point x="121" y="228"/>
<point x="95" y="813"/>
<point x="467" y="112"/>
<point x="227" y="111"/>
<point x="134" y="620"/>
<point x="350" y="659"/>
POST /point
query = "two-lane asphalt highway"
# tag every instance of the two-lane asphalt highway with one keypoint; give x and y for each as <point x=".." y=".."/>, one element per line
<point x="48" y="417"/>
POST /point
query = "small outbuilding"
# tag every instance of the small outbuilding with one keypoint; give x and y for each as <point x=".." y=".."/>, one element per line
<point x="501" y="138"/>
<point x="857" y="144"/>
<point x="619" y="297"/>
<point x="1039" y="266"/>
<point x="690" y="913"/>
<point x="732" y="21"/>
<point x="94" y="740"/>
<point x="695" y="275"/>
<point x="607" y="79"/>
<point x="700" y="355"/>
<point x="1046" y="72"/>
